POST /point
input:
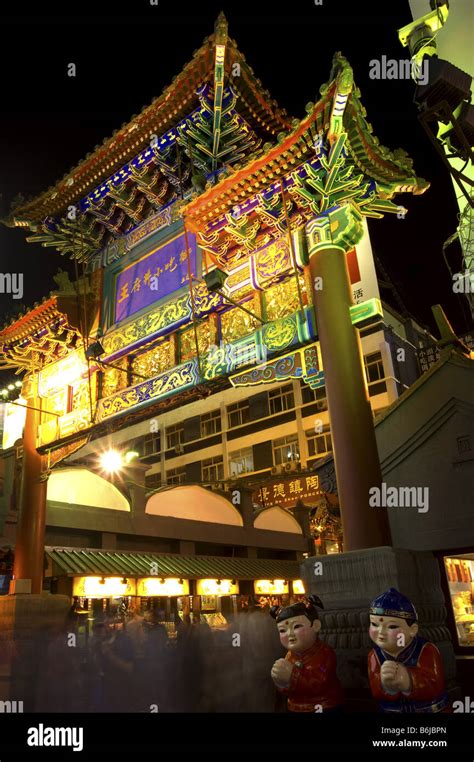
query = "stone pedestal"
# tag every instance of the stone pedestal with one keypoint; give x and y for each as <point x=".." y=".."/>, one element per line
<point x="348" y="582"/>
<point x="26" y="624"/>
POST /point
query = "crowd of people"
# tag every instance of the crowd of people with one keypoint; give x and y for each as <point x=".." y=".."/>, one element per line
<point x="128" y="664"/>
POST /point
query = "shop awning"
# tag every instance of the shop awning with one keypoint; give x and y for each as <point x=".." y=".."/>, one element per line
<point x="75" y="561"/>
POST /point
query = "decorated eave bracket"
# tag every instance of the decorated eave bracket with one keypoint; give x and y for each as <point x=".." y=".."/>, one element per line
<point x="349" y="166"/>
<point x="214" y="133"/>
<point x="319" y="185"/>
<point x="47" y="343"/>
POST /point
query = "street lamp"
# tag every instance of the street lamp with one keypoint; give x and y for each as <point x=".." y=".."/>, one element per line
<point x="111" y="461"/>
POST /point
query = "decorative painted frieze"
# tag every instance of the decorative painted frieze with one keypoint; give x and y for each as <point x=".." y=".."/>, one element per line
<point x="160" y="386"/>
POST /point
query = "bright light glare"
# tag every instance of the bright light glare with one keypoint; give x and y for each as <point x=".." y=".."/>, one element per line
<point x="111" y="461"/>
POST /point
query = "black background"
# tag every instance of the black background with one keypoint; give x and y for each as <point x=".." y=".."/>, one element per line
<point x="227" y="735"/>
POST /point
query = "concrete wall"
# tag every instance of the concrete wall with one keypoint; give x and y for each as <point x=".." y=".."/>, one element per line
<point x="427" y="439"/>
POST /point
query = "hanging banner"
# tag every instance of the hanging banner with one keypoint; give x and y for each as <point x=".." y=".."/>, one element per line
<point x="154" y="276"/>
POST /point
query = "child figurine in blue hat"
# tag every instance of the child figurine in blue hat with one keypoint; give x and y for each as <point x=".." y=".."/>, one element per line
<point x="405" y="671"/>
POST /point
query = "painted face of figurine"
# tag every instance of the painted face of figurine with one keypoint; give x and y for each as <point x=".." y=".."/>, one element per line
<point x="392" y="634"/>
<point x="297" y="633"/>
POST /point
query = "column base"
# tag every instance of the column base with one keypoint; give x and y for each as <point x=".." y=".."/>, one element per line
<point x="20" y="586"/>
<point x="348" y="582"/>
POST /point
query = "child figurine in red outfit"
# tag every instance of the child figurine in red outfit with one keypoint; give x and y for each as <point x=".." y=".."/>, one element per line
<point x="405" y="671"/>
<point x="307" y="676"/>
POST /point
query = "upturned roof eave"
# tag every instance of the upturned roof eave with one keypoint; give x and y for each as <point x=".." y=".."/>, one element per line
<point x="30" y="321"/>
<point x="373" y="151"/>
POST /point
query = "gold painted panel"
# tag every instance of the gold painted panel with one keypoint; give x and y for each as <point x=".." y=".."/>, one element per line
<point x="159" y="358"/>
<point x="147" y="325"/>
<point x="282" y="299"/>
<point x="80" y="396"/>
<point x="113" y="379"/>
<point x="236" y="323"/>
<point x="74" y="421"/>
<point x="57" y="403"/>
<point x="206" y="337"/>
<point x="272" y="261"/>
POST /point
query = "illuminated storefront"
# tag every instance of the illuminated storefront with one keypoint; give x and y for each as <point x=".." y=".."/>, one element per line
<point x="460" y="575"/>
<point x="214" y="600"/>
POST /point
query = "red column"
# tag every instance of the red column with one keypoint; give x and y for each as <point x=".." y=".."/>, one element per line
<point x="29" y="546"/>
<point x="356" y="457"/>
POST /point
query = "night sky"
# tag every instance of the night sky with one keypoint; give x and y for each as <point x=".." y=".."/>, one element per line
<point x="126" y="54"/>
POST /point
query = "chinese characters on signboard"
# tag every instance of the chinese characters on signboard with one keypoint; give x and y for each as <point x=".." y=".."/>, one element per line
<point x="154" y="276"/>
<point x="363" y="277"/>
<point x="286" y="493"/>
<point x="427" y="357"/>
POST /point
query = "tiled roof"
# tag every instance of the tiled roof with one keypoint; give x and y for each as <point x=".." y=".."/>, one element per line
<point x="165" y="110"/>
<point x="75" y="561"/>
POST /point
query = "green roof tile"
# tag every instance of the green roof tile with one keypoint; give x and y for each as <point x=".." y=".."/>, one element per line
<point x="72" y="561"/>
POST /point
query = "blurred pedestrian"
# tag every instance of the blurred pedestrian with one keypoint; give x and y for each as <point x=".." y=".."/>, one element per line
<point x="151" y="668"/>
<point x="111" y="666"/>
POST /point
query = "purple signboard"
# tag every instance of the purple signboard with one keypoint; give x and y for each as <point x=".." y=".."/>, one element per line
<point x="155" y="276"/>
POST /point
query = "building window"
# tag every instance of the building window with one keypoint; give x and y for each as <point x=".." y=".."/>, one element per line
<point x="176" y="476"/>
<point x="241" y="462"/>
<point x="174" y="435"/>
<point x="153" y="481"/>
<point x="237" y="414"/>
<point x="318" y="395"/>
<point x="211" y="423"/>
<point x="281" y="399"/>
<point x="375" y="373"/>
<point x="285" y="450"/>
<point x="151" y="444"/>
<point x="319" y="444"/>
<point x="213" y="469"/>
<point x="374" y="367"/>
<point x="464" y="444"/>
